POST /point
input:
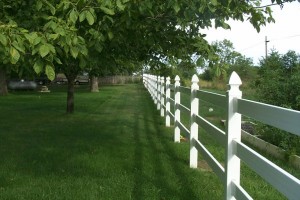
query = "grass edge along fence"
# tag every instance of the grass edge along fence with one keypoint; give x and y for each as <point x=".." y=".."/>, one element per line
<point x="282" y="118"/>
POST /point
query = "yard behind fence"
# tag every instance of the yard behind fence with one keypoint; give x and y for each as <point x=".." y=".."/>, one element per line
<point x="286" y="119"/>
<point x="114" y="80"/>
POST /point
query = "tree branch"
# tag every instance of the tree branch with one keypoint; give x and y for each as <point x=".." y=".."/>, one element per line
<point x="273" y="4"/>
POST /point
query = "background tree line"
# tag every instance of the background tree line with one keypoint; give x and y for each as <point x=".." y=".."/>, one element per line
<point x="71" y="36"/>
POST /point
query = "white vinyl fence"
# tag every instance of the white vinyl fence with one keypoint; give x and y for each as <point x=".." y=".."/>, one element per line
<point x="285" y="119"/>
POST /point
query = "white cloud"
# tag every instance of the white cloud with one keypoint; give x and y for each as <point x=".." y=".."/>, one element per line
<point x="283" y="35"/>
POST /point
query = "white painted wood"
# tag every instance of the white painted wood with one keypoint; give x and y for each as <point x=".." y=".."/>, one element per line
<point x="155" y="85"/>
<point x="183" y="129"/>
<point x="239" y="192"/>
<point x="158" y="93"/>
<point x="152" y="86"/>
<point x="233" y="131"/>
<point x="212" y="162"/>
<point x="279" y="117"/>
<point x="183" y="108"/>
<point x="172" y="101"/>
<point x="214" y="98"/>
<point x="168" y="95"/>
<point x="194" y="126"/>
<point x="282" y="118"/>
<point x="185" y="90"/>
<point x="162" y="96"/>
<point x="172" y="116"/>
<point x="279" y="178"/>
<point x="177" y="111"/>
<point x="211" y="129"/>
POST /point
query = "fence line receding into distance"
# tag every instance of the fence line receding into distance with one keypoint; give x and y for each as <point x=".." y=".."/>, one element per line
<point x="171" y="108"/>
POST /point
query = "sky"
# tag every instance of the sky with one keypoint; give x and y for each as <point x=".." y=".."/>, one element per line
<point x="283" y="35"/>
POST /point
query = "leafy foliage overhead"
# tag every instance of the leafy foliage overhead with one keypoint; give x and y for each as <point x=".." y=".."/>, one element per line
<point x="72" y="35"/>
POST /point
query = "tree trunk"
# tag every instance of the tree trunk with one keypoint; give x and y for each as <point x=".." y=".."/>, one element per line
<point x="94" y="84"/>
<point x="70" y="96"/>
<point x="3" y="83"/>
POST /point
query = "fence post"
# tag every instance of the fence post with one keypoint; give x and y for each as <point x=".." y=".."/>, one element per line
<point x="194" y="125"/>
<point x="155" y="88"/>
<point x="162" y="96"/>
<point x="151" y="87"/>
<point x="158" y="93"/>
<point x="177" y="111"/>
<point x="233" y="131"/>
<point x="146" y="81"/>
<point x="168" y="107"/>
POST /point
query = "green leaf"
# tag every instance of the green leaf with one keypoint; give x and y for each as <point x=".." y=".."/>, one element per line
<point x="110" y="35"/>
<point x="82" y="15"/>
<point x="211" y="8"/>
<point x="107" y="10"/>
<point x="90" y="18"/>
<point x="14" y="55"/>
<point x="19" y="45"/>
<point x="75" y="41"/>
<point x="38" y="66"/>
<point x="73" y="16"/>
<point x="37" y="40"/>
<point x="50" y="72"/>
<point x="51" y="7"/>
<point x="200" y="62"/>
<point x="29" y="38"/>
<point x="44" y="50"/>
<point x="68" y="41"/>
<point x="39" y="5"/>
<point x="74" y="52"/>
<point x="176" y="7"/>
<point x="3" y="39"/>
<point x="54" y="36"/>
<point x="57" y="60"/>
<point x="60" y="31"/>
<point x="214" y="2"/>
<point x="51" y="48"/>
<point x="120" y="5"/>
<point x="67" y="5"/>
<point x="82" y="63"/>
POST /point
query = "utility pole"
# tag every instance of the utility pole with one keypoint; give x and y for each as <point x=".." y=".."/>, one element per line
<point x="266" y="44"/>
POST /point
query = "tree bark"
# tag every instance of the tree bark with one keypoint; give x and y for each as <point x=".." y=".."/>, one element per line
<point x="94" y="84"/>
<point x="3" y="83"/>
<point x="70" y="96"/>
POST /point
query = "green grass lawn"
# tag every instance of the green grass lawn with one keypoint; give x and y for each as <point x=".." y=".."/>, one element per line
<point x="115" y="146"/>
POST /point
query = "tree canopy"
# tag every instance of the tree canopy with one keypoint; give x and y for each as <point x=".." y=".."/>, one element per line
<point x="71" y="36"/>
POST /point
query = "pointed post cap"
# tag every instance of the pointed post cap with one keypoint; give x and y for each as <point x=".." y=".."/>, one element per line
<point x="235" y="79"/>
<point x="234" y="83"/>
<point x="195" y="79"/>
<point x="177" y="78"/>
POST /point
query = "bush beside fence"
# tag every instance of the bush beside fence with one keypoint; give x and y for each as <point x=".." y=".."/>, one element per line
<point x="285" y="119"/>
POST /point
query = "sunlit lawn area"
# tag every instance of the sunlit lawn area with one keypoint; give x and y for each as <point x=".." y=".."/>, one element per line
<point x="115" y="146"/>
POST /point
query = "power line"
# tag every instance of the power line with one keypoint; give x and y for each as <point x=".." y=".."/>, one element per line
<point x="286" y="37"/>
<point x="270" y="40"/>
<point x="252" y="46"/>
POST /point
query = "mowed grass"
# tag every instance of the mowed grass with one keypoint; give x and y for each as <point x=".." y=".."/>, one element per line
<point x="115" y="146"/>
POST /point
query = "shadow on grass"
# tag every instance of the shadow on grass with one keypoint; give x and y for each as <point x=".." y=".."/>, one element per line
<point x="154" y="151"/>
<point x="113" y="147"/>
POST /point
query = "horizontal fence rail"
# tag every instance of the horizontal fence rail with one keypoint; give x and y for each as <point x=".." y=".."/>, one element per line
<point x="167" y="96"/>
<point x="216" y="99"/>
<point x="282" y="118"/>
